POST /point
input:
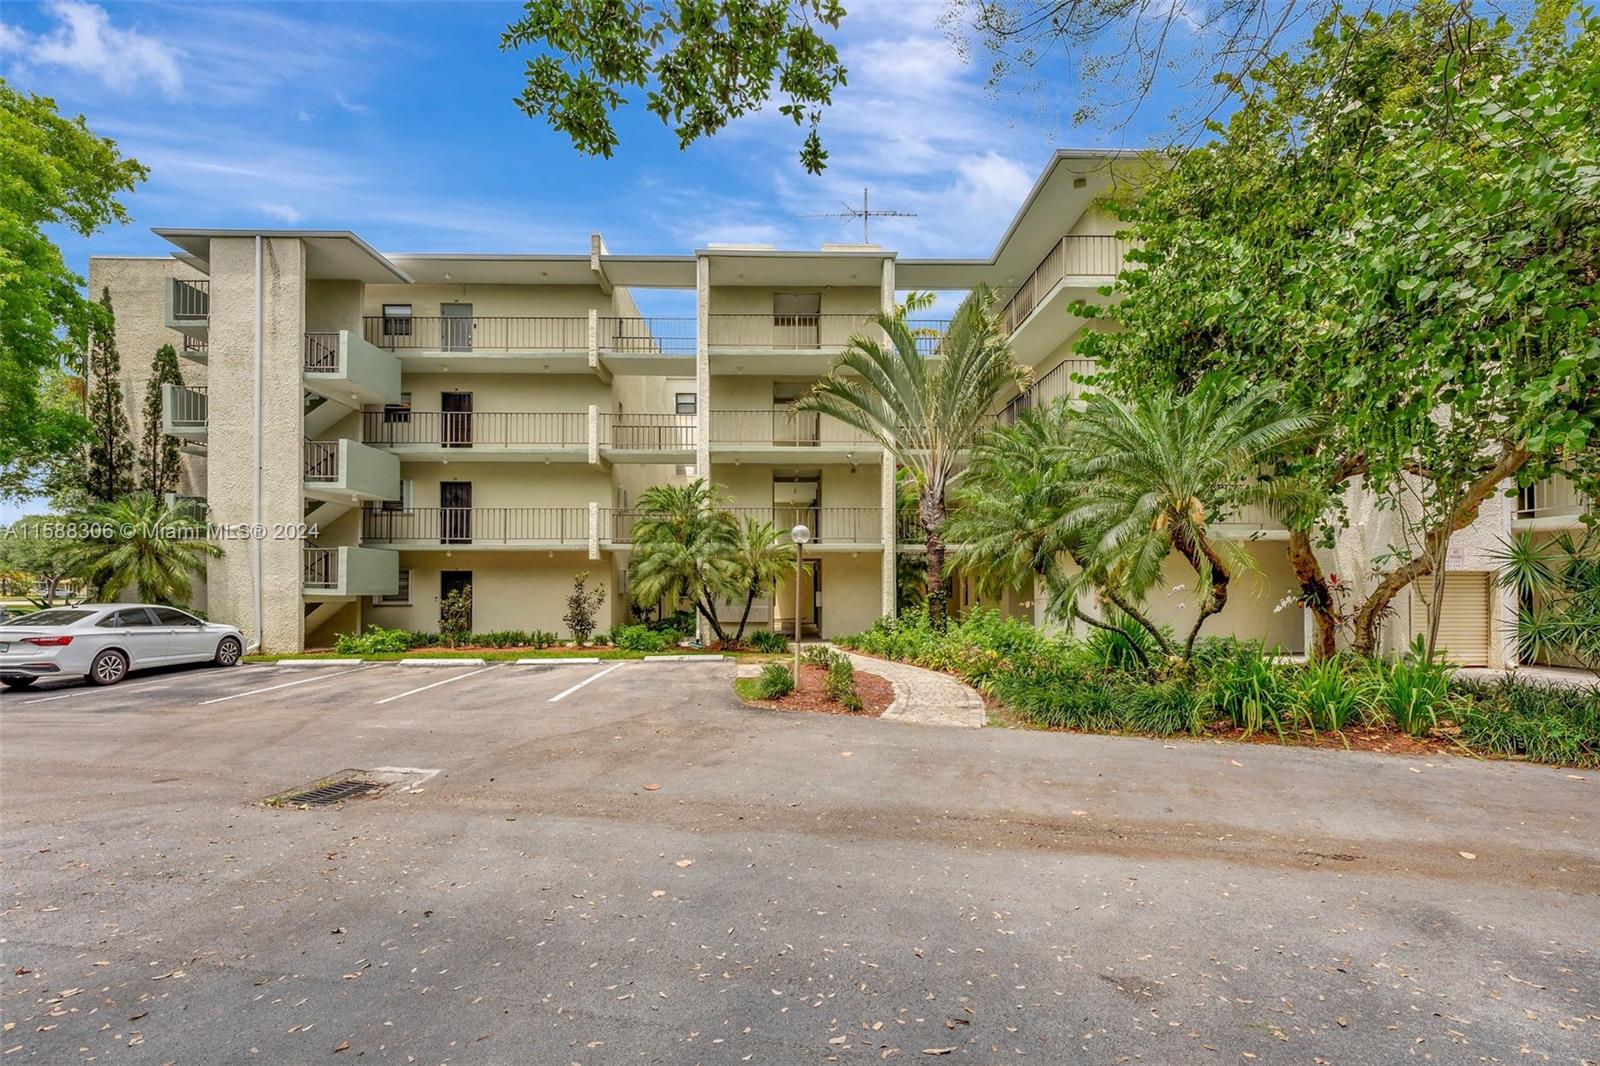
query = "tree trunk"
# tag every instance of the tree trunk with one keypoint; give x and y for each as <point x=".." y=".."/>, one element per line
<point x="749" y="601"/>
<point x="932" y="508"/>
<point x="710" y="615"/>
<point x="1316" y="595"/>
<point x="1132" y="644"/>
<point x="1512" y="459"/>
<point x="1198" y="552"/>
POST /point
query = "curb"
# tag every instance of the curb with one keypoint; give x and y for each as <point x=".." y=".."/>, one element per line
<point x="559" y="660"/>
<point x="313" y="662"/>
<point x="685" y="658"/>
<point x="442" y="662"/>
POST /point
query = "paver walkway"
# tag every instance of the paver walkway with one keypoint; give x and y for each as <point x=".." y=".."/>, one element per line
<point x="925" y="697"/>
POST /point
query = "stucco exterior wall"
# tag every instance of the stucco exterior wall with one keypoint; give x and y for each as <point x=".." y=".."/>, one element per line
<point x="510" y="590"/>
<point x="491" y="301"/>
<point x="757" y="299"/>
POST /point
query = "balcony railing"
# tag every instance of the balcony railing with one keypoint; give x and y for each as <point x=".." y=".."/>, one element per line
<point x="321" y="460"/>
<point x="782" y="428"/>
<point x="321" y="353"/>
<point x="784" y="332"/>
<point x="321" y="568"/>
<point x="645" y="336"/>
<point x="1075" y="256"/>
<point x="185" y="406"/>
<point x="476" y="525"/>
<point x="476" y="429"/>
<point x="195" y="347"/>
<point x="646" y="432"/>
<point x="1049" y="387"/>
<point x="1552" y="497"/>
<point x="191" y="300"/>
<point x="828" y="525"/>
<point x="477" y="333"/>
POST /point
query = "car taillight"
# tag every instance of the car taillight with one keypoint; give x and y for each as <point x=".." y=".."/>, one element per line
<point x="48" y="642"/>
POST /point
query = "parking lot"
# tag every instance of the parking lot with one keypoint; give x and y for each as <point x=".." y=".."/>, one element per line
<point x="619" y="863"/>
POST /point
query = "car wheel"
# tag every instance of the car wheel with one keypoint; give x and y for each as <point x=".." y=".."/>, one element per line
<point x="17" y="682"/>
<point x="228" y="651"/>
<point x="108" y="668"/>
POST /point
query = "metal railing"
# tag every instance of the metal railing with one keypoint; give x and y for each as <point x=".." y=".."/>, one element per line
<point x="196" y="347"/>
<point x="645" y="336"/>
<point x="322" y="460"/>
<point x="476" y="429"/>
<point x="321" y="353"/>
<point x="784" y="332"/>
<point x="321" y="568"/>
<point x="187" y="406"/>
<point x="828" y="525"/>
<point x="929" y="333"/>
<point x="1074" y="256"/>
<point x="476" y="525"/>
<point x="646" y="432"/>
<point x="477" y="333"/>
<point x="1552" y="497"/>
<point x="782" y="427"/>
<point x="908" y="528"/>
<point x="1049" y="387"/>
<point x="191" y="300"/>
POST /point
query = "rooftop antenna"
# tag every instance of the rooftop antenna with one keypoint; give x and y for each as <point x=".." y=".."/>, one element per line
<point x="865" y="213"/>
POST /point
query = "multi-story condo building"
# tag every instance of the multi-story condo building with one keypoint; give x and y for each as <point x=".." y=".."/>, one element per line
<point x="388" y="427"/>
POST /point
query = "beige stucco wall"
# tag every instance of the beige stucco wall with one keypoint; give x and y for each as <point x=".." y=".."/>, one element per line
<point x="512" y="484"/>
<point x="510" y="590"/>
<point x="757" y="300"/>
<point x="491" y="301"/>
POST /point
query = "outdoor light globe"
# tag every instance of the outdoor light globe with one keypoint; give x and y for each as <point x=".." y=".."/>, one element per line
<point x="800" y="535"/>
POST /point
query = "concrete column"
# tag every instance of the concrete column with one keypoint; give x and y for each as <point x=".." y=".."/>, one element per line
<point x="594" y="435"/>
<point x="594" y="528"/>
<point x="887" y="495"/>
<point x="594" y="339"/>
<point x="702" y="388"/>
<point x="235" y="425"/>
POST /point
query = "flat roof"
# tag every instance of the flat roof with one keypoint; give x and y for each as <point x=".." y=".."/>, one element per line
<point x="329" y="253"/>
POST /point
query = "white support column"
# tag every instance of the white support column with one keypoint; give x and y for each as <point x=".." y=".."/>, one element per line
<point x="702" y="389"/>
<point x="594" y="340"/>
<point x="888" y="498"/>
<point x="594" y="435"/>
<point x="594" y="530"/>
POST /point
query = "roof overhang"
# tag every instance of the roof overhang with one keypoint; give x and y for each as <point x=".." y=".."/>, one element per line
<point x="330" y="254"/>
<point x="767" y="266"/>
<point x="633" y="271"/>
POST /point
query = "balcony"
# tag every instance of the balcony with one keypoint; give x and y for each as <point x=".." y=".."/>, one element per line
<point x="657" y="438"/>
<point x="1054" y="384"/>
<point x="183" y="411"/>
<point x="832" y="528"/>
<point x="487" y="435"/>
<point x="782" y="433"/>
<point x="346" y="369"/>
<point x="189" y="306"/>
<point x="1551" y="503"/>
<point x="1077" y="262"/>
<point x="345" y="471"/>
<point x="346" y="572"/>
<point x="480" y="527"/>
<point x="783" y="333"/>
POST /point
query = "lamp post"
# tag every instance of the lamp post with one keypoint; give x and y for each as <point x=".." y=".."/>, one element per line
<point x="800" y="535"/>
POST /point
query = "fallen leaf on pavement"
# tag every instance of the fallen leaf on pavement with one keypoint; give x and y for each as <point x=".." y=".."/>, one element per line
<point x="1466" y="854"/>
<point x="652" y="787"/>
<point x="938" y="1050"/>
<point x="684" y="862"/>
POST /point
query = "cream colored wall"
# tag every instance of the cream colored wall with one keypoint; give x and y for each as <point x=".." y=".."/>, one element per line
<point x="851" y="592"/>
<point x="511" y="392"/>
<point x="333" y="305"/>
<point x="346" y="620"/>
<point x="1253" y="597"/>
<point x="757" y="300"/>
<point x="512" y="484"/>
<point x="492" y="301"/>
<point x="1095" y="222"/>
<point x="510" y="590"/>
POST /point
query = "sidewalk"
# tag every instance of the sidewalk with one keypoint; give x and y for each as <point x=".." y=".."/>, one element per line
<point x="925" y="697"/>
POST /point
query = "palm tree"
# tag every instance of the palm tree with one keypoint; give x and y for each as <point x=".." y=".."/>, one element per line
<point x="1010" y="523"/>
<point x="763" y="559"/>
<point x="685" y="546"/>
<point x="1160" y="468"/>
<point x="924" y="412"/>
<point x="144" y="543"/>
<point x="1557" y="582"/>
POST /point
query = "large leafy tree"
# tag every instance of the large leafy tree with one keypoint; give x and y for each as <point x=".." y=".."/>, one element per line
<point x="33" y="546"/>
<point x="698" y="63"/>
<point x="684" y="546"/>
<point x="762" y="559"/>
<point x="158" y="452"/>
<point x="143" y="544"/>
<point x="925" y="412"/>
<point x="1400" y="224"/>
<point x="56" y="172"/>
<point x="110" y="473"/>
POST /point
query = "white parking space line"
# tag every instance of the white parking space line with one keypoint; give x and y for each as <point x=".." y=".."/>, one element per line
<point x="47" y="699"/>
<point x="436" y="684"/>
<point x="564" y="693"/>
<point x="286" y="684"/>
<point x="167" y="679"/>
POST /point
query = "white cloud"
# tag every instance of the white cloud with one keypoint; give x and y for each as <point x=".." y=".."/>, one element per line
<point x="85" y="42"/>
<point x="282" y="212"/>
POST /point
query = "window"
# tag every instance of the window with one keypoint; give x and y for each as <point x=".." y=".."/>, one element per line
<point x="402" y="593"/>
<point x="59" y="616"/>
<point x="398" y="412"/>
<point x="171" y="616"/>
<point x="684" y="403"/>
<point x="125" y="619"/>
<point x="397" y="320"/>
<point x="403" y="504"/>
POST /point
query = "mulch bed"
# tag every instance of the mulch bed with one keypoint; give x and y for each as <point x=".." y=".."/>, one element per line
<point x="876" y="695"/>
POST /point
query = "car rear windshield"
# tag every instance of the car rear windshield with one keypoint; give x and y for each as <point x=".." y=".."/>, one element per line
<point x="58" y="617"/>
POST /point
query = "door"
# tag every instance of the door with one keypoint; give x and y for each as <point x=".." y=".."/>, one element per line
<point x="137" y="631"/>
<point x="187" y="638"/>
<point x="455" y="327"/>
<point x="1463" y="616"/>
<point x="453" y="581"/>
<point x="783" y="601"/>
<point x="455" y="512"/>
<point x="456" y="419"/>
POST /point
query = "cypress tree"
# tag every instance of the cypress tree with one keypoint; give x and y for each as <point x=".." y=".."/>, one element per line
<point x="158" y="451"/>
<point x="110" y="469"/>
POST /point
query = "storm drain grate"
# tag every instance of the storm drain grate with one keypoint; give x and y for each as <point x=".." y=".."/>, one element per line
<point x="347" y="785"/>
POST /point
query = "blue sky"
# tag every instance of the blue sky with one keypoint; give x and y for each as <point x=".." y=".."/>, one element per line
<point x="395" y="120"/>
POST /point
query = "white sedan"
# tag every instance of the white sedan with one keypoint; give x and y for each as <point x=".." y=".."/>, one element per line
<point x="103" y="641"/>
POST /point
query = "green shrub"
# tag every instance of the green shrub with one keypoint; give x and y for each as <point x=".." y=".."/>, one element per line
<point x="376" y="640"/>
<point x="542" y="638"/>
<point x="1546" y="723"/>
<point x="455" y="615"/>
<point x="583" y="604"/>
<point x="776" y="681"/>
<point x="499" y="638"/>
<point x="820" y="656"/>
<point x="840" y="682"/>
<point x="1332" y="693"/>
<point x="1414" y="690"/>
<point x="1250" y="689"/>
<point x="768" y="641"/>
<point x="418" y="639"/>
<point x="641" y="638"/>
<point x="1165" y="708"/>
